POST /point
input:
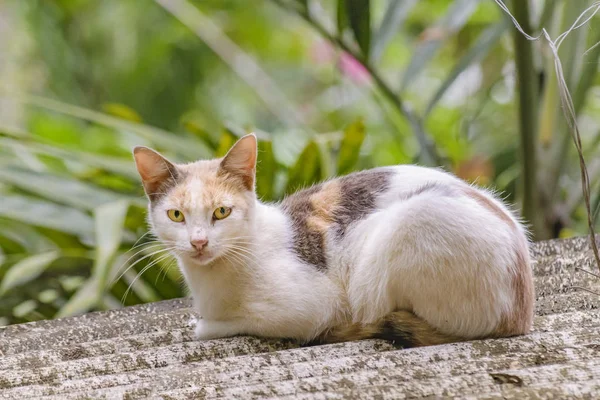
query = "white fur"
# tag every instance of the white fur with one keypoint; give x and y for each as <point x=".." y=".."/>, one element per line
<point x="445" y="258"/>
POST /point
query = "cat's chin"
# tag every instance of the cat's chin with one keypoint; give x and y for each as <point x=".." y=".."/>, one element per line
<point x="200" y="259"/>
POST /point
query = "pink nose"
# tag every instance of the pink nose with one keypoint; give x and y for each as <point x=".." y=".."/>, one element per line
<point x="199" y="244"/>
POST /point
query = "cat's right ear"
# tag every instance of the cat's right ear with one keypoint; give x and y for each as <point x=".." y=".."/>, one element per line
<point x="154" y="169"/>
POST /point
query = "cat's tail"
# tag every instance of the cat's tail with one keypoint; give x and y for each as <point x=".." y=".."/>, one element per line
<point x="402" y="328"/>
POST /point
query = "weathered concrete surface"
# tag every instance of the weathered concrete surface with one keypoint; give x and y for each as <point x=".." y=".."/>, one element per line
<point x="149" y="352"/>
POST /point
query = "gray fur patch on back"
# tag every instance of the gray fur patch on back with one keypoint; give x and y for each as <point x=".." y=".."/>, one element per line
<point x="357" y="199"/>
<point x="309" y="244"/>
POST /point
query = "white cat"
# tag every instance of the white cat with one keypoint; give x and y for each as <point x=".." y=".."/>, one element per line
<point x="405" y="253"/>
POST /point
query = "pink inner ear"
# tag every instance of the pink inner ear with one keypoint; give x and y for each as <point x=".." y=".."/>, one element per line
<point x="153" y="168"/>
<point x="241" y="160"/>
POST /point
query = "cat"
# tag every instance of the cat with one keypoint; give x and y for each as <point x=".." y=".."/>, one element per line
<point x="405" y="253"/>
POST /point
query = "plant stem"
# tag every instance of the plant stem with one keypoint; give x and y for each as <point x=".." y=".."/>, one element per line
<point x="429" y="155"/>
<point x="528" y="121"/>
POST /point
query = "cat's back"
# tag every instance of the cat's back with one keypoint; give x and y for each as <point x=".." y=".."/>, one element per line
<point x="329" y="209"/>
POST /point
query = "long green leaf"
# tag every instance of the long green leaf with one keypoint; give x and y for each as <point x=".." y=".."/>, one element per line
<point x="265" y="171"/>
<point x="46" y="214"/>
<point x="485" y="42"/>
<point x="82" y="301"/>
<point x="113" y="164"/>
<point x="166" y="140"/>
<point x="109" y="222"/>
<point x="456" y="17"/>
<point x="26" y="236"/>
<point x="307" y="169"/>
<point x="27" y="270"/>
<point x="342" y="17"/>
<point x="354" y="134"/>
<point x="70" y="192"/>
<point x="359" y="15"/>
<point x="393" y="19"/>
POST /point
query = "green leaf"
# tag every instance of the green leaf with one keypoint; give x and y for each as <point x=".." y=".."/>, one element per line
<point x="82" y="301"/>
<point x="265" y="171"/>
<point x="359" y="15"/>
<point x="393" y="19"/>
<point x="70" y="192"/>
<point x="113" y="164"/>
<point x="457" y="16"/>
<point x="109" y="222"/>
<point x="122" y="111"/>
<point x="42" y="213"/>
<point x="485" y="42"/>
<point x="354" y="134"/>
<point x="342" y="17"/>
<point x="27" y="270"/>
<point x="307" y="169"/>
<point x="26" y="236"/>
<point x="166" y="140"/>
<point x="227" y="140"/>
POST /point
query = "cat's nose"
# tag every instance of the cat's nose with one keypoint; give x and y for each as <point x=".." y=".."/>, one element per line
<point x="199" y="244"/>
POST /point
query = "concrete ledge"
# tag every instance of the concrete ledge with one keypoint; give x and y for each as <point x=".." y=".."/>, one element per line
<point x="148" y="352"/>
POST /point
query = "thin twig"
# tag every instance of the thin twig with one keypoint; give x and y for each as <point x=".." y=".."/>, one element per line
<point x="568" y="106"/>
<point x="244" y="65"/>
<point x="429" y="152"/>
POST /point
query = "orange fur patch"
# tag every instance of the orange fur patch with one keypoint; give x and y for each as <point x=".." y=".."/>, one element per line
<point x="489" y="205"/>
<point x="519" y="319"/>
<point x="324" y="203"/>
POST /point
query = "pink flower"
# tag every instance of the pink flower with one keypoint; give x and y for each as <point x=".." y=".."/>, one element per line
<point x="352" y="68"/>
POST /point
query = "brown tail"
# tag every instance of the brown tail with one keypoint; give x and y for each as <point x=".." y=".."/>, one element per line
<point x="402" y="328"/>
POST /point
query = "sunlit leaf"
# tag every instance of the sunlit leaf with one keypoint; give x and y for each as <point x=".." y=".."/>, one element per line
<point x="108" y="227"/>
<point x="70" y="192"/>
<point x="112" y="164"/>
<point x="393" y="19"/>
<point x="227" y="140"/>
<point x="433" y="38"/>
<point x="163" y="139"/>
<point x="25" y="308"/>
<point x="485" y="42"/>
<point x="307" y="169"/>
<point x="27" y="270"/>
<point x="82" y="301"/>
<point x="122" y="111"/>
<point x="354" y="134"/>
<point x="46" y="214"/>
<point x="26" y="236"/>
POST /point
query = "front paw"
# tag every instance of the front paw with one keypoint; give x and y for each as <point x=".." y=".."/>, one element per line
<point x="207" y="329"/>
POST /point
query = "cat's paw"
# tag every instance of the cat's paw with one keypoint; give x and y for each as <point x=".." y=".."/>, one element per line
<point x="206" y="329"/>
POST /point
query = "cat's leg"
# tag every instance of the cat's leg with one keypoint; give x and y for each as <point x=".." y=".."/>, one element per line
<point x="213" y="329"/>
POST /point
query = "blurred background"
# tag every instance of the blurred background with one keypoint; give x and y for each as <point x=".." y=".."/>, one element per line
<point x="330" y="86"/>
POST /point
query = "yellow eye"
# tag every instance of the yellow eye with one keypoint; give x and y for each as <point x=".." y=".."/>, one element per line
<point x="222" y="212"/>
<point x="176" y="215"/>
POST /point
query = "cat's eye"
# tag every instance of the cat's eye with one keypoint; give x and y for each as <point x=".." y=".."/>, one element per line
<point x="222" y="212"/>
<point x="176" y="215"/>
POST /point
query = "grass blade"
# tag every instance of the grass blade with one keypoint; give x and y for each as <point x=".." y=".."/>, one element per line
<point x="394" y="18"/>
<point x="27" y="270"/>
<point x="485" y="42"/>
<point x="456" y="17"/>
<point x="354" y="135"/>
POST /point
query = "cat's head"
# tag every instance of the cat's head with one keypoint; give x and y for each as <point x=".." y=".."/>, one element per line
<point x="203" y="210"/>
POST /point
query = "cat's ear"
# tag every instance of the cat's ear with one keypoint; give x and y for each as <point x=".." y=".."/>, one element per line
<point x="154" y="169"/>
<point x="240" y="161"/>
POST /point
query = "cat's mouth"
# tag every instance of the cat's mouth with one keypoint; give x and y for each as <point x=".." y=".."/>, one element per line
<point x="201" y="257"/>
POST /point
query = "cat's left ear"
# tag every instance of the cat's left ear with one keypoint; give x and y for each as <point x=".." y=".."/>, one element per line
<point x="240" y="161"/>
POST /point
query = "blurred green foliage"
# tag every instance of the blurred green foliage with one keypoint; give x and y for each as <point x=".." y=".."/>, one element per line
<point x="108" y="75"/>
